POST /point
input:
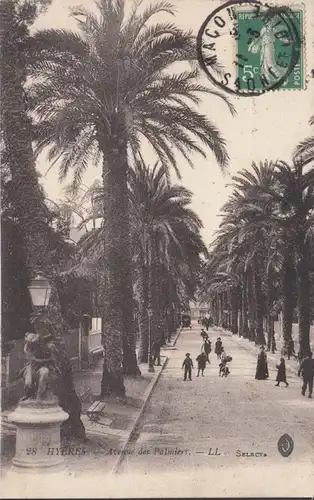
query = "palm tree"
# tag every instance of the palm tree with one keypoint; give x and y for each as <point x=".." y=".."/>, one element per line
<point x="270" y="216"/>
<point x="166" y="240"/>
<point x="158" y="211"/>
<point x="304" y="152"/>
<point x="294" y="193"/>
<point x="101" y="90"/>
<point x="25" y="198"/>
<point x="242" y="243"/>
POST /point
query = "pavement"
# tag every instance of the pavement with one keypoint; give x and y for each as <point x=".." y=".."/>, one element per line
<point x="209" y="437"/>
<point x="218" y="436"/>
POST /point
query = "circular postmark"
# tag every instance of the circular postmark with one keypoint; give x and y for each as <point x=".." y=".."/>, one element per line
<point x="247" y="48"/>
<point x="285" y="445"/>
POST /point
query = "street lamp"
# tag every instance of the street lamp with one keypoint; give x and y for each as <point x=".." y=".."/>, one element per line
<point x="150" y="359"/>
<point x="40" y="291"/>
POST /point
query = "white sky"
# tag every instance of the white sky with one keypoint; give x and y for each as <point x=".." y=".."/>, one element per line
<point x="265" y="127"/>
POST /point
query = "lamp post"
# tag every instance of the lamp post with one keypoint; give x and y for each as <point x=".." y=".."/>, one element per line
<point x="40" y="290"/>
<point x="38" y="416"/>
<point x="150" y="359"/>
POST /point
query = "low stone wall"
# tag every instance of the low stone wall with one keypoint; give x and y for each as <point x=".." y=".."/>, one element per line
<point x="295" y="334"/>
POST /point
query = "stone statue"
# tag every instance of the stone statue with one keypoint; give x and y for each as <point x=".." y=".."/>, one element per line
<point x="41" y="368"/>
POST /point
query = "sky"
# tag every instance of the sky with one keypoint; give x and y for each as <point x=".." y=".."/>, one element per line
<point x="265" y="127"/>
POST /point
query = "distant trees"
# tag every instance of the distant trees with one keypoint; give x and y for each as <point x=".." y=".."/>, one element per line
<point x="167" y="250"/>
<point x="264" y="251"/>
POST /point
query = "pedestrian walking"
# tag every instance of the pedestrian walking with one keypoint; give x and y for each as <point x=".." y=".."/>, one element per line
<point x="156" y="352"/>
<point x="187" y="365"/>
<point x="218" y="347"/>
<point x="281" y="374"/>
<point x="290" y="349"/>
<point x="262" y="366"/>
<point x="206" y="322"/>
<point x="306" y="370"/>
<point x="207" y="348"/>
<point x="203" y="334"/>
<point x="223" y="354"/>
<point x="223" y="368"/>
<point x="201" y="363"/>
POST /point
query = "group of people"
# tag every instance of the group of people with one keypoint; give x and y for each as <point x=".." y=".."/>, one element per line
<point x="306" y="371"/>
<point x="203" y="358"/>
<point x="306" y="367"/>
<point x="206" y="321"/>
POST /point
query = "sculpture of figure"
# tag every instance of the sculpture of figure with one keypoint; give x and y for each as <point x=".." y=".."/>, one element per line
<point x="41" y="367"/>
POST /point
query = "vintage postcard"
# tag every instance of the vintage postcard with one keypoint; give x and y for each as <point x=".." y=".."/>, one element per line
<point x="157" y="248"/>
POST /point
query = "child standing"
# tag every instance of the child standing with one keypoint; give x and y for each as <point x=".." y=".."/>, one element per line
<point x="201" y="363"/>
<point x="281" y="374"/>
<point x="187" y="365"/>
<point x="203" y="334"/>
<point x="207" y="348"/>
<point x="218" y="347"/>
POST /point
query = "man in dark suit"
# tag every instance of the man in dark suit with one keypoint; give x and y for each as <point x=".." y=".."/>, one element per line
<point x="306" y="369"/>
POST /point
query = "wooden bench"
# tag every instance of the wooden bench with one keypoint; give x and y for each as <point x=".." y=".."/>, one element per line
<point x="95" y="411"/>
<point x="97" y="350"/>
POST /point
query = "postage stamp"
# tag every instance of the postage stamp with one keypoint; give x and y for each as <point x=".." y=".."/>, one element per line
<point x="248" y="48"/>
<point x="266" y="50"/>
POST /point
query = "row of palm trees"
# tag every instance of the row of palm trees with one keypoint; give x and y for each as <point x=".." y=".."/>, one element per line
<point x="262" y="259"/>
<point x="95" y="96"/>
<point x="167" y="252"/>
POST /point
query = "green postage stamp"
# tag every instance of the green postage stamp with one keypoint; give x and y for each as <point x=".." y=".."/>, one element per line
<point x="266" y="50"/>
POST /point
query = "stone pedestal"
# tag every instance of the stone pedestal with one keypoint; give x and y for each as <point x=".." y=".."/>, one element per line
<point x="38" y="433"/>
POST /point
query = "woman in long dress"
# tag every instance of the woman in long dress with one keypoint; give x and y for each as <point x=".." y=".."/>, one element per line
<point x="262" y="367"/>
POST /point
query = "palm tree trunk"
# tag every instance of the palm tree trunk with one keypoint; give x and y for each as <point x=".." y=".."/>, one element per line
<point x="304" y="291"/>
<point x="214" y="308"/>
<point x="260" y="337"/>
<point x="221" y="309"/>
<point x="271" y="342"/>
<point x="287" y="291"/>
<point x="229" y="309"/>
<point x="245" y="307"/>
<point x="152" y="291"/>
<point x="251" y="305"/>
<point x="120" y="354"/>
<point x="168" y="305"/>
<point x="234" y="310"/>
<point x="160" y="302"/>
<point x="143" y="314"/>
<point x="240" y="312"/>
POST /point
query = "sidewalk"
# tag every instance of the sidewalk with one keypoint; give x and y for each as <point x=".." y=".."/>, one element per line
<point x="105" y="439"/>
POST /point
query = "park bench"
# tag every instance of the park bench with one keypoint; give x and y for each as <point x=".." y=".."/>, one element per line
<point x="95" y="411"/>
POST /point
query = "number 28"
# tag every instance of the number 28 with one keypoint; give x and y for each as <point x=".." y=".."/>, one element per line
<point x="31" y="451"/>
